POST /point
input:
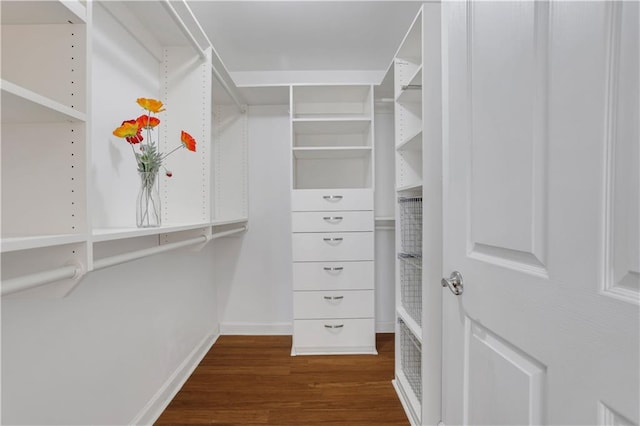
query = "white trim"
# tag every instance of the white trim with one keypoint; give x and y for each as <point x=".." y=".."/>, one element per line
<point x="306" y="78"/>
<point x="161" y="399"/>
<point x="256" y="328"/>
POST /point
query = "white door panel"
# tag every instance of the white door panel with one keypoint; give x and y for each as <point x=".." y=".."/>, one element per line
<point x="541" y="212"/>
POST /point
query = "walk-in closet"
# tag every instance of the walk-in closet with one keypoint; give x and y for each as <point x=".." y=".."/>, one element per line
<point x="262" y="212"/>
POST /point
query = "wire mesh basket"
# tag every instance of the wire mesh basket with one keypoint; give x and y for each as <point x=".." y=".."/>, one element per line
<point x="411" y="359"/>
<point x="411" y="225"/>
<point x="411" y="285"/>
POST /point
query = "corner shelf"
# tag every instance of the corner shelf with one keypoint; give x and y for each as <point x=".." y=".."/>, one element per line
<point x="411" y="143"/>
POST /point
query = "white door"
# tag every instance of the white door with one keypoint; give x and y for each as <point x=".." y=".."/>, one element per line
<point x="541" y="213"/>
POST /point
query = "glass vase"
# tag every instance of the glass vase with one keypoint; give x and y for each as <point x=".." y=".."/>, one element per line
<point x="148" y="204"/>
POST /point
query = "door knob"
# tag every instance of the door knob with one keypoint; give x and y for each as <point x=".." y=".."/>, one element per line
<point x="454" y="282"/>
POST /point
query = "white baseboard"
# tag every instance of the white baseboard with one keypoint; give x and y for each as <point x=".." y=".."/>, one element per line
<point x="386" y="327"/>
<point x="256" y="328"/>
<point x="157" y="404"/>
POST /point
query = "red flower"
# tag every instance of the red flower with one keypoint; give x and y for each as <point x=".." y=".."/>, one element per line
<point x="130" y="131"/>
<point x="188" y="141"/>
<point x="146" y="122"/>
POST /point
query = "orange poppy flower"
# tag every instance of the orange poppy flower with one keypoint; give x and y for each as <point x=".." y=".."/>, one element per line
<point x="146" y="122"/>
<point x="152" y="105"/>
<point x="188" y="141"/>
<point x="130" y="131"/>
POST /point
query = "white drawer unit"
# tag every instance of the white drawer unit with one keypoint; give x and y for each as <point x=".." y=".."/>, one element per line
<point x="334" y="336"/>
<point x="338" y="221"/>
<point x="331" y="199"/>
<point x="310" y="247"/>
<point x="333" y="275"/>
<point x="333" y="304"/>
<point x="332" y="219"/>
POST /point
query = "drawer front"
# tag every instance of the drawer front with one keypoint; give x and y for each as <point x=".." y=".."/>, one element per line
<point x="320" y="247"/>
<point x="334" y="335"/>
<point x="331" y="199"/>
<point x="338" y="221"/>
<point x="333" y="304"/>
<point x="333" y="275"/>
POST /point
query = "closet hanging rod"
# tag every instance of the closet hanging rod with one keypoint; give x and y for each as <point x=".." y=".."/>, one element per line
<point x="227" y="89"/>
<point x="229" y="232"/>
<point x="411" y="87"/>
<point x="138" y="254"/>
<point x="190" y="36"/>
<point x="38" y="279"/>
<point x="183" y="27"/>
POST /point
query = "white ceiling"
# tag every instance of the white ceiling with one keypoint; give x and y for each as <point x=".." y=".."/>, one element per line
<point x="268" y="37"/>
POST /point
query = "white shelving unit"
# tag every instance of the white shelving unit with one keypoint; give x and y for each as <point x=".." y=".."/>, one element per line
<point x="44" y="135"/>
<point x="68" y="185"/>
<point x="333" y="220"/>
<point x="408" y="83"/>
<point x="418" y="127"/>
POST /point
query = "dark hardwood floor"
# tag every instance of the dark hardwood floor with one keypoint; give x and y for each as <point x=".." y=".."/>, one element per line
<point x="253" y="380"/>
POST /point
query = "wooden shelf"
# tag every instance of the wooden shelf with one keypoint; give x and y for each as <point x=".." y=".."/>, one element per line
<point x="20" y="105"/>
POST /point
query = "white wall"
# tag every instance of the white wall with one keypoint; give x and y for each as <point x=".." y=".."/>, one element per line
<point x="253" y="272"/>
<point x="103" y="354"/>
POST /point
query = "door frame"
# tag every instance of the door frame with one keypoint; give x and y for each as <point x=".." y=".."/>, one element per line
<point x="433" y="187"/>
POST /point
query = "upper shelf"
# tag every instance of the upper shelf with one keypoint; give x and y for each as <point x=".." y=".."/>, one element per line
<point x="43" y="12"/>
<point x="20" y="105"/>
<point x="322" y="102"/>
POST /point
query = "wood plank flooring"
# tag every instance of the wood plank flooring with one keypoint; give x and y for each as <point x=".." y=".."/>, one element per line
<point x="253" y="380"/>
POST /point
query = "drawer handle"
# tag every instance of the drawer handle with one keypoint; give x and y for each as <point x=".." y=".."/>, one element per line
<point x="333" y="297"/>
<point x="332" y="197"/>
<point x="333" y="326"/>
<point x="333" y="218"/>
<point x="333" y="239"/>
<point x="337" y="268"/>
